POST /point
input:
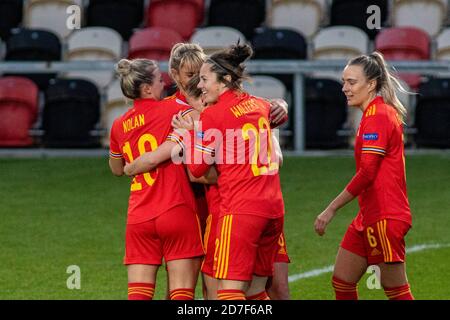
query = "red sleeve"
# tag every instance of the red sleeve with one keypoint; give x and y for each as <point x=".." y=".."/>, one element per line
<point x="114" y="148"/>
<point x="375" y="135"/>
<point x="366" y="174"/>
<point x="203" y="146"/>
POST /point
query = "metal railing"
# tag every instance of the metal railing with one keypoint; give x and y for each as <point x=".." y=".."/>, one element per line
<point x="298" y="68"/>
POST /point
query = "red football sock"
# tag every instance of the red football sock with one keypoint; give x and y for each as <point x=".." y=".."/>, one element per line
<point x="259" y="296"/>
<point x="230" y="295"/>
<point x="182" y="294"/>
<point x="344" y="290"/>
<point x="399" y="293"/>
<point x="140" y="291"/>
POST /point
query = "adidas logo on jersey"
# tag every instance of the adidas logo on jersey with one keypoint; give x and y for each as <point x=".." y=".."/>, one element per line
<point x="375" y="252"/>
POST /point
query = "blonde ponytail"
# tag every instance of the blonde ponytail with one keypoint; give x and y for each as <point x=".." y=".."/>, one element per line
<point x="388" y="86"/>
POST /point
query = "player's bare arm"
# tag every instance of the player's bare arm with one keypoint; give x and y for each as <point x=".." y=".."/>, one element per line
<point x="116" y="166"/>
<point x="328" y="214"/>
<point x="210" y="177"/>
<point x="150" y="160"/>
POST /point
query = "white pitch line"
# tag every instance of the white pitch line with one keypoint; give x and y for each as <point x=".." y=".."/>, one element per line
<point x="318" y="272"/>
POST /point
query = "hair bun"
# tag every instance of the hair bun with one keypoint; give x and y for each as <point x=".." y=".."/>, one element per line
<point x="123" y="67"/>
<point x="240" y="53"/>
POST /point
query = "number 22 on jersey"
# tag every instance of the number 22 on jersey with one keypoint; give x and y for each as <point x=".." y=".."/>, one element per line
<point x="263" y="125"/>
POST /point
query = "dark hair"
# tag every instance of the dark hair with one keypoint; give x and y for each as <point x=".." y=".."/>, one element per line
<point x="230" y="62"/>
<point x="134" y="73"/>
<point x="191" y="88"/>
<point x="375" y="68"/>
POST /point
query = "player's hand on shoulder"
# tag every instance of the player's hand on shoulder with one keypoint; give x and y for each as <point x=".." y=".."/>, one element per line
<point x="180" y="122"/>
<point x="278" y="110"/>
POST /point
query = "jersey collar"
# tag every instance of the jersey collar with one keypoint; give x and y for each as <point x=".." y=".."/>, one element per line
<point x="180" y="96"/>
<point x="228" y="95"/>
<point x="138" y="103"/>
<point x="376" y="101"/>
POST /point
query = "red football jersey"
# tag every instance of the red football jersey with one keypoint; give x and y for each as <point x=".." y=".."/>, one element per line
<point x="380" y="132"/>
<point x="235" y="135"/>
<point x="180" y="97"/>
<point x="212" y="198"/>
<point x="141" y="129"/>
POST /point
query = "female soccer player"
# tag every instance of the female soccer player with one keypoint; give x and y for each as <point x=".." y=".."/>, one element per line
<point x="376" y="235"/>
<point x="234" y="128"/>
<point x="161" y="219"/>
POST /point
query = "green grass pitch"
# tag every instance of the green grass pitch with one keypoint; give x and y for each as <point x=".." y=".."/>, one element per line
<point x="61" y="212"/>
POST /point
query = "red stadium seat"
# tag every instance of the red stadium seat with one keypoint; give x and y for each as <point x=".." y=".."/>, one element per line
<point x="182" y="16"/>
<point x="152" y="43"/>
<point x="406" y="43"/>
<point x="18" y="110"/>
<point x="403" y="44"/>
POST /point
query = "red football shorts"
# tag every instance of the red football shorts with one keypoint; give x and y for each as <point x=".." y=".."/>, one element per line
<point x="202" y="211"/>
<point x="282" y="255"/>
<point x="209" y="241"/>
<point x="173" y="235"/>
<point x="383" y="241"/>
<point x="246" y="245"/>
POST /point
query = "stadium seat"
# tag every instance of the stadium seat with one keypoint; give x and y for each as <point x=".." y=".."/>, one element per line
<point x="71" y="111"/>
<point x="120" y="15"/>
<point x="49" y="15"/>
<point x="10" y="16"/>
<point x="116" y="105"/>
<point x="339" y="42"/>
<point x="303" y="16"/>
<point x="325" y="113"/>
<point x="181" y="16"/>
<point x="18" y="111"/>
<point x="152" y="43"/>
<point x="34" y="45"/>
<point x="354" y="13"/>
<point x="265" y="87"/>
<point x="428" y="15"/>
<point x="443" y="45"/>
<point x="433" y="114"/>
<point x="404" y="44"/>
<point x="270" y="43"/>
<point x="243" y="15"/>
<point x="212" y="39"/>
<point x="95" y="44"/>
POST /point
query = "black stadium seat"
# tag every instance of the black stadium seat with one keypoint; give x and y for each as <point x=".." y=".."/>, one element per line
<point x="243" y="15"/>
<point x="10" y="16"/>
<point x="34" y="45"/>
<point x="71" y="111"/>
<point x="433" y="114"/>
<point x="325" y="114"/>
<point x="120" y="15"/>
<point x="354" y="13"/>
<point x="270" y="43"/>
<point x="278" y="43"/>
